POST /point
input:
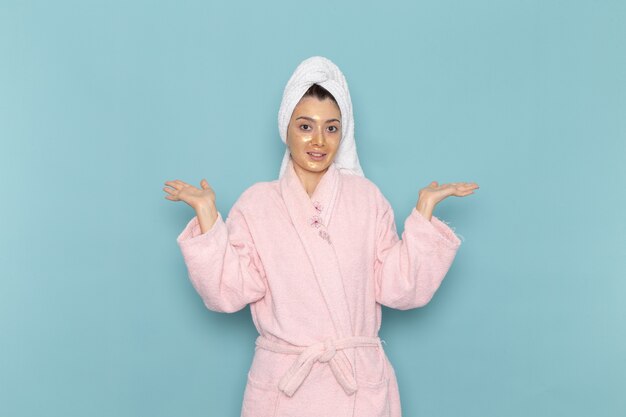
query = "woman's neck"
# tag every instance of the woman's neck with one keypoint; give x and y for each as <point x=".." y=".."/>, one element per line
<point x="309" y="179"/>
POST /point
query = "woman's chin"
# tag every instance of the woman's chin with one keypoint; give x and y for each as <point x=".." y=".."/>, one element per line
<point x="314" y="166"/>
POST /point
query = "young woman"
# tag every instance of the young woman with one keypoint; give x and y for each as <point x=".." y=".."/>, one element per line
<point x="316" y="253"/>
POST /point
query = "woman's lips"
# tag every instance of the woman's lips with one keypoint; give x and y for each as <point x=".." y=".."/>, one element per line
<point x="316" y="156"/>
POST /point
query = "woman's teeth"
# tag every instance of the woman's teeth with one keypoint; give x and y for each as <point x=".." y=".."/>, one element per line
<point x="316" y="156"/>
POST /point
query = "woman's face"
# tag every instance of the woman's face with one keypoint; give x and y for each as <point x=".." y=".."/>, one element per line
<point x="314" y="128"/>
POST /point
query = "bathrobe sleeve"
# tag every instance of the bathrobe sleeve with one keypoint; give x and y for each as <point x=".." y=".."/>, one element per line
<point x="223" y="264"/>
<point x="408" y="271"/>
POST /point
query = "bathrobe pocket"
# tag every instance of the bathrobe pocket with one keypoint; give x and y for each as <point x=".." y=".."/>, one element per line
<point x="372" y="400"/>
<point x="372" y="396"/>
<point x="371" y="365"/>
<point x="259" y="399"/>
<point x="262" y="394"/>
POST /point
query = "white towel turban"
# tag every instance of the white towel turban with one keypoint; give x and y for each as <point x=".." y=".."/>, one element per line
<point x="322" y="71"/>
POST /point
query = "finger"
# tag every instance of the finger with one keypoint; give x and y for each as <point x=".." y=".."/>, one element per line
<point x="170" y="191"/>
<point x="174" y="184"/>
<point x="204" y="184"/>
<point x="179" y="183"/>
<point x="171" y="184"/>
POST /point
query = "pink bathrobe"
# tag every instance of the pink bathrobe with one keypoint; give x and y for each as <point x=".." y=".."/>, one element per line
<point x="315" y="271"/>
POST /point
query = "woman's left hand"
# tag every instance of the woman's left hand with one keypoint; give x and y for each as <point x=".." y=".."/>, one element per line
<point x="432" y="195"/>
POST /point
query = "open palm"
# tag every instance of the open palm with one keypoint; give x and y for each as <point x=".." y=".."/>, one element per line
<point x="196" y="197"/>
<point x="435" y="192"/>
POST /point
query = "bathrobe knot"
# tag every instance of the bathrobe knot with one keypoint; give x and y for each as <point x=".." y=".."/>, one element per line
<point x="329" y="351"/>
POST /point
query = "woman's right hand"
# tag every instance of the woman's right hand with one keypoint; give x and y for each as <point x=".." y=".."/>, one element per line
<point x="197" y="198"/>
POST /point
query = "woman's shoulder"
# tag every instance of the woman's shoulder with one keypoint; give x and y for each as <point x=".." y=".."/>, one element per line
<point x="364" y="188"/>
<point x="257" y="193"/>
<point x="362" y="185"/>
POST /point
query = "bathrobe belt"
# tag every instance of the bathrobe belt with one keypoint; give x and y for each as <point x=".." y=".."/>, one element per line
<point x="328" y="351"/>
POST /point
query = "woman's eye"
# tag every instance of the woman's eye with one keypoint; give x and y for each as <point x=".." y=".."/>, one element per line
<point x="334" y="128"/>
<point x="301" y="126"/>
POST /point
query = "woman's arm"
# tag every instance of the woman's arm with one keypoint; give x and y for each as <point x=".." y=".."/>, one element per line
<point x="207" y="215"/>
<point x="222" y="262"/>
<point x="408" y="271"/>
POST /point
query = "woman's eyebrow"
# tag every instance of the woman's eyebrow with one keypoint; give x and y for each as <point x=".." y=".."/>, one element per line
<point x="329" y="120"/>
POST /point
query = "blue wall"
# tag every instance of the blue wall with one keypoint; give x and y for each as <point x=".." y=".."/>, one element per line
<point x="101" y="102"/>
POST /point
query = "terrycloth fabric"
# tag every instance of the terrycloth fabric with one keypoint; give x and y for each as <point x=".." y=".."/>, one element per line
<point x="314" y="271"/>
<point x="322" y="352"/>
<point x="322" y="71"/>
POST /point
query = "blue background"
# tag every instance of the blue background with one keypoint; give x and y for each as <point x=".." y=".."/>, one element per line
<point x="101" y="102"/>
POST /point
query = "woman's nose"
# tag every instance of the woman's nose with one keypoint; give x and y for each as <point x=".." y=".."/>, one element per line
<point x="319" y="138"/>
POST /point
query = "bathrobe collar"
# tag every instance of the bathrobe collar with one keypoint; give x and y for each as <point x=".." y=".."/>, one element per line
<point x="321" y="203"/>
<point x="311" y="217"/>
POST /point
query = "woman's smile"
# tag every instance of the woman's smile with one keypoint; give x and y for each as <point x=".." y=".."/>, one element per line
<point x="317" y="156"/>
